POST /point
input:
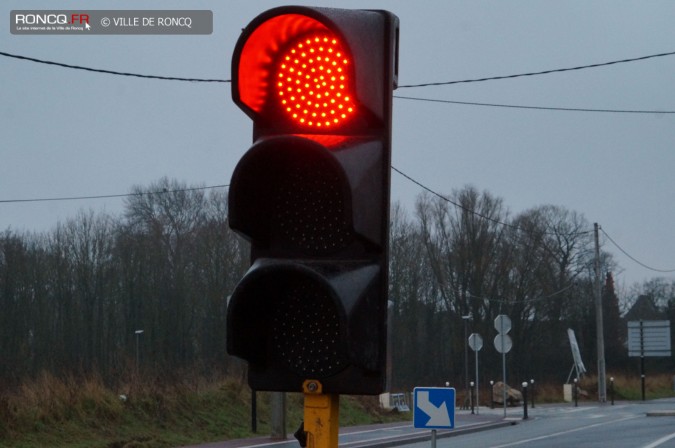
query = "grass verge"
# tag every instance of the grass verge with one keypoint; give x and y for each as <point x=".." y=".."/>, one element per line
<point x="70" y="413"/>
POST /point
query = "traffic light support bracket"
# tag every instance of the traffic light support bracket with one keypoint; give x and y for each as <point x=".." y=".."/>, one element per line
<point x="321" y="414"/>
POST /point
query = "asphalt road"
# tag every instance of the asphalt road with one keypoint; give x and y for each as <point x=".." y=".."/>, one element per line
<point x="378" y="436"/>
<point x="625" y="425"/>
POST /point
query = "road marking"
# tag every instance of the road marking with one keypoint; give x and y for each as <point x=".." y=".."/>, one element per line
<point x="377" y="429"/>
<point x="660" y="441"/>
<point x="267" y="444"/>
<point x="356" y="442"/>
<point x="521" y="442"/>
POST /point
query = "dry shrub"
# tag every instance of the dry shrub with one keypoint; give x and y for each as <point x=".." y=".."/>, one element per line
<point x="48" y="399"/>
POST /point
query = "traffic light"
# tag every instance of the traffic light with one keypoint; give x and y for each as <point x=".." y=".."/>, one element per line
<point x="312" y="197"/>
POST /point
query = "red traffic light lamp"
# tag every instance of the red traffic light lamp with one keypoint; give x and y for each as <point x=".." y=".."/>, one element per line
<point x="333" y="68"/>
<point x="312" y="197"/>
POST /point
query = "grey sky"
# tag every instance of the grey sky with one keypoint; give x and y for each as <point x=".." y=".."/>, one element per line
<point x="72" y="133"/>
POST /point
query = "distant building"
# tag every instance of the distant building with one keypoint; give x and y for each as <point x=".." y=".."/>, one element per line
<point x="644" y="309"/>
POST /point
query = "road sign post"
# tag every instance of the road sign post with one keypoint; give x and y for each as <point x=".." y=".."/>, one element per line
<point x="476" y="343"/>
<point x="648" y="338"/>
<point x="503" y="345"/>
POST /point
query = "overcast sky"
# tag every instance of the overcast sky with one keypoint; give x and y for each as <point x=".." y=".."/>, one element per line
<point x="67" y="132"/>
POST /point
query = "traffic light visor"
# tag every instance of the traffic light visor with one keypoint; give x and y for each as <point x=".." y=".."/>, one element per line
<point x="294" y="67"/>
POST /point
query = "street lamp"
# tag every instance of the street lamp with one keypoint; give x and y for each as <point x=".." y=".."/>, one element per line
<point x="471" y="397"/>
<point x="138" y="334"/>
<point x="611" y="388"/>
<point x="525" y="384"/>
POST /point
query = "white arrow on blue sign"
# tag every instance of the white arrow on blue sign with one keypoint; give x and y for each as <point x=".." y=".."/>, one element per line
<point x="434" y="408"/>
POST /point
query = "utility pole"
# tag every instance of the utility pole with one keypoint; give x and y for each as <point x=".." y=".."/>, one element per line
<point x="602" y="384"/>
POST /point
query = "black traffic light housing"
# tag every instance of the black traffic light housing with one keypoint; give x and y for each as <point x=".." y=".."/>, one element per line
<point x="312" y="197"/>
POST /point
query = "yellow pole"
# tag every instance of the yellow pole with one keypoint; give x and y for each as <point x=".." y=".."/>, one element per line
<point x="321" y="416"/>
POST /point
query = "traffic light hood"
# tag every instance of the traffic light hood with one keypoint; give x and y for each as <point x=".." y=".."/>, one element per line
<point x="362" y="35"/>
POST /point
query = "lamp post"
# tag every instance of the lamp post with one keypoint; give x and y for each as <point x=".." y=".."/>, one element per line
<point x="611" y="389"/>
<point x="524" y="384"/>
<point x="138" y="334"/>
<point x="532" y="391"/>
<point x="472" y="384"/>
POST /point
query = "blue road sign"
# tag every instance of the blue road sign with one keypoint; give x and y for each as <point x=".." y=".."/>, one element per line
<point x="434" y="407"/>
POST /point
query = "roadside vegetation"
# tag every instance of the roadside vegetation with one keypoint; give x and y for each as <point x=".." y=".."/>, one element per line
<point x="51" y="412"/>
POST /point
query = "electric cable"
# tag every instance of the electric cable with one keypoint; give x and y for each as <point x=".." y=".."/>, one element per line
<point x="108" y="196"/>
<point x="666" y="271"/>
<point x="544" y="72"/>
<point x="473" y="212"/>
<point x="403" y="86"/>
<point x="174" y="78"/>
<point x="109" y="72"/>
<point x="515" y="106"/>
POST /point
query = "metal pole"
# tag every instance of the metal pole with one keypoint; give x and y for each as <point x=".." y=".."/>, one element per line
<point x="602" y="385"/>
<point x="642" y="378"/>
<point x="492" y="394"/>
<point x="532" y="392"/>
<point x="433" y="438"/>
<point x="524" y="400"/>
<point x="503" y="367"/>
<point x="472" y="384"/>
<point x="477" y="387"/>
<point x="611" y="389"/>
<point x="642" y="360"/>
<point x="576" y="394"/>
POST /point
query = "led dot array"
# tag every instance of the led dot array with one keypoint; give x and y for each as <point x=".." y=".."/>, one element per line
<point x="312" y="82"/>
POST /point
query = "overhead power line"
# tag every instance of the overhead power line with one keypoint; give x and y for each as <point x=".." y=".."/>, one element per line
<point x="665" y="271"/>
<point x="109" y="72"/>
<point x="404" y="86"/>
<point x="108" y="196"/>
<point x="515" y="106"/>
<point x="464" y="103"/>
<point x="544" y="72"/>
<point x="468" y="210"/>
<point x="450" y="201"/>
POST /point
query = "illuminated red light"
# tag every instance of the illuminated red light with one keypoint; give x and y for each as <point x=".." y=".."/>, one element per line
<point x="311" y="80"/>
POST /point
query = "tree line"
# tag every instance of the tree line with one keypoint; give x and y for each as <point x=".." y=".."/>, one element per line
<point x="73" y="299"/>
